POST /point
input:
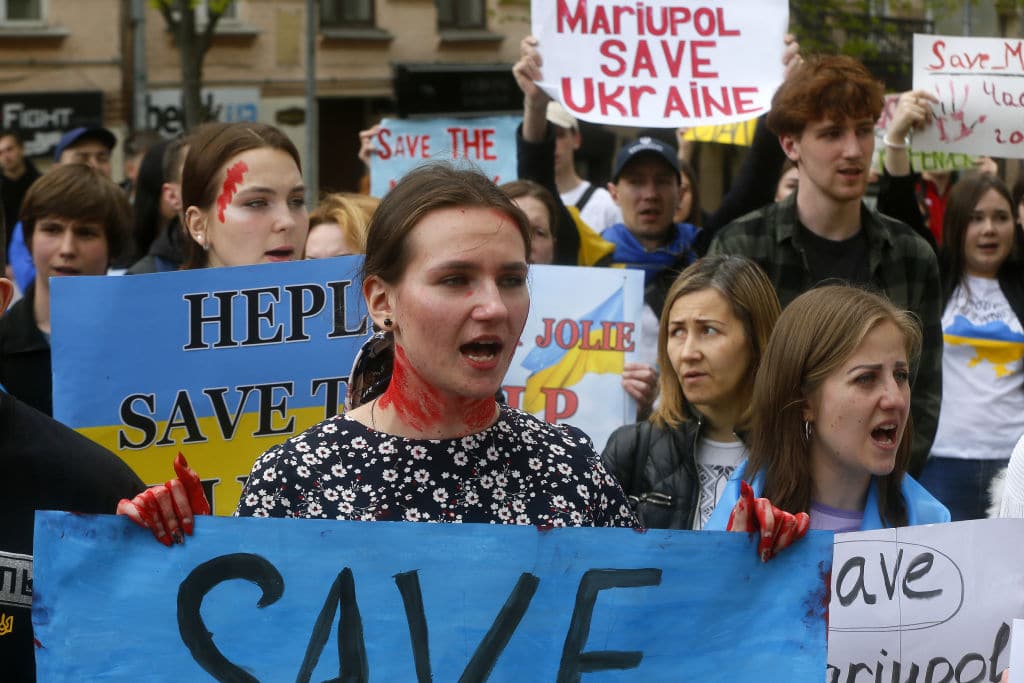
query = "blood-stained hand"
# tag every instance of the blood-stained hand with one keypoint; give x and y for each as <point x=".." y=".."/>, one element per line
<point x="170" y="509"/>
<point x="779" y="529"/>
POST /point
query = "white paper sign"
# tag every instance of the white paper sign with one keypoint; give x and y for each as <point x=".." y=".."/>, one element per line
<point x="980" y="86"/>
<point x="937" y="600"/>
<point x="584" y="325"/>
<point x="1017" y="652"/>
<point x="661" y="63"/>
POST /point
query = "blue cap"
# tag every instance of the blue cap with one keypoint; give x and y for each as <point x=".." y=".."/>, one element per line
<point x="75" y="135"/>
<point x="645" y="145"/>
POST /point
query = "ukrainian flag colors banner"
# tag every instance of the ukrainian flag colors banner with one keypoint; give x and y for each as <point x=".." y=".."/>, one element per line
<point x="219" y="363"/>
<point x="223" y="363"/>
<point x="583" y="327"/>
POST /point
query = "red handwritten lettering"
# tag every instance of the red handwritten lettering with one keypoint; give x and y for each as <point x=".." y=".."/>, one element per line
<point x="472" y="143"/>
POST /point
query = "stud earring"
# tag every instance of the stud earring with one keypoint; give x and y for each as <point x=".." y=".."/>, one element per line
<point x="387" y="322"/>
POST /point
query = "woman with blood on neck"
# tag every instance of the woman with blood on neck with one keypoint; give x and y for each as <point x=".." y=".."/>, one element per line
<point x="830" y="429"/>
<point x="445" y="282"/>
<point x="243" y="200"/>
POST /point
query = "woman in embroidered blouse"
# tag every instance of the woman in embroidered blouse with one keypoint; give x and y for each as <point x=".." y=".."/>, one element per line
<point x="445" y="277"/>
<point x="982" y="413"/>
<point x="830" y="437"/>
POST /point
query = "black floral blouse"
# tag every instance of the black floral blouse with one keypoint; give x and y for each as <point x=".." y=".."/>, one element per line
<point x="520" y="470"/>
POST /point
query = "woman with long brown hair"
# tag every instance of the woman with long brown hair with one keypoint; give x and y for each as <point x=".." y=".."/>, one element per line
<point x="830" y="438"/>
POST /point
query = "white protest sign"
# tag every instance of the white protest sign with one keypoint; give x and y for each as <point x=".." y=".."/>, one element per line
<point x="940" y="160"/>
<point x="584" y="325"/>
<point x="980" y="86"/>
<point x="925" y="603"/>
<point x="661" y="63"/>
<point x="1017" y="652"/>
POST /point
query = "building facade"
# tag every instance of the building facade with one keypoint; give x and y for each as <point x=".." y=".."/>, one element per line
<point x="72" y="62"/>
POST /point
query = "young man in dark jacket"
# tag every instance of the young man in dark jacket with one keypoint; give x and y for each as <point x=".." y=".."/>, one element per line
<point x="824" y="115"/>
<point x="46" y="466"/>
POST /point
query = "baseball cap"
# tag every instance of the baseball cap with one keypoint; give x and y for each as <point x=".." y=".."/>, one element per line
<point x="558" y="115"/>
<point x="104" y="136"/>
<point x="645" y="145"/>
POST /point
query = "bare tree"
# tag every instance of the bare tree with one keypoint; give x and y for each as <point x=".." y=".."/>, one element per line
<point x="193" y="42"/>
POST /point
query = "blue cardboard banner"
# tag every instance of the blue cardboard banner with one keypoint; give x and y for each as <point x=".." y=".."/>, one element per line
<point x="278" y="600"/>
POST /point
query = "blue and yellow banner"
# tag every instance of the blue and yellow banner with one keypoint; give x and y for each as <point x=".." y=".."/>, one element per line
<point x="583" y="327"/>
<point x="220" y="363"/>
<point x="223" y="363"/>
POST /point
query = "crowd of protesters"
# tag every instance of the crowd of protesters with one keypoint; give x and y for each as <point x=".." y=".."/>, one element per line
<point x="808" y="354"/>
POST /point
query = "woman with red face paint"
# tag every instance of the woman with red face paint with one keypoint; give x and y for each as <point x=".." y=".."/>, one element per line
<point x="829" y="440"/>
<point x="445" y="280"/>
<point x="982" y="413"/>
<point x="243" y="201"/>
<point x="717" y="318"/>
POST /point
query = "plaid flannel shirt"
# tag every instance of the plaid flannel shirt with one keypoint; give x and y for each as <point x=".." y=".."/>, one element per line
<point x="902" y="266"/>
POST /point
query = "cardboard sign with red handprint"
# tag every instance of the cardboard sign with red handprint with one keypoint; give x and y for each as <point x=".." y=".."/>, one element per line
<point x="980" y="91"/>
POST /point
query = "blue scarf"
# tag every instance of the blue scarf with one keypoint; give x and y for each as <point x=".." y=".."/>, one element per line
<point x="629" y="253"/>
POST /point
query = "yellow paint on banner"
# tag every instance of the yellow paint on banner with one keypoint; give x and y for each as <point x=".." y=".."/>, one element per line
<point x="741" y="133"/>
<point x="224" y="463"/>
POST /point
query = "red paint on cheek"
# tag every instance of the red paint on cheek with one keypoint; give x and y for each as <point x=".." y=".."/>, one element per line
<point x="231" y="182"/>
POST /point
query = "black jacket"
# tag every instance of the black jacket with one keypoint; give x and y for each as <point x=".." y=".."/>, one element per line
<point x="25" y="355"/>
<point x="658" y="471"/>
<point x="46" y="466"/>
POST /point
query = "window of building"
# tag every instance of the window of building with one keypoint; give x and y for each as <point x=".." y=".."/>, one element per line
<point x="203" y="12"/>
<point x="21" y="10"/>
<point x="346" y="13"/>
<point x="461" y="14"/>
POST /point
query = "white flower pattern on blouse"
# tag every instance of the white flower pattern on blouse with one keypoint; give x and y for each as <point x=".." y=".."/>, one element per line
<point x="520" y="470"/>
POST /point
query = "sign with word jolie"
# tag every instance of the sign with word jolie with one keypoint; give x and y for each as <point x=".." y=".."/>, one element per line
<point x="488" y="144"/>
<point x="219" y="363"/>
<point x="661" y="63"/>
<point x="925" y="603"/>
<point x="980" y="86"/>
<point x="279" y="600"/>
<point x="939" y="160"/>
<point x="584" y="325"/>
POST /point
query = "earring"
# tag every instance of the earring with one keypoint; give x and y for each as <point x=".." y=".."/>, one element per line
<point x="807" y="431"/>
<point x="387" y="322"/>
<point x="201" y="241"/>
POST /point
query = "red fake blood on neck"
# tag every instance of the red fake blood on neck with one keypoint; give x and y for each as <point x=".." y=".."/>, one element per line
<point x="422" y="406"/>
<point x="231" y="182"/>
